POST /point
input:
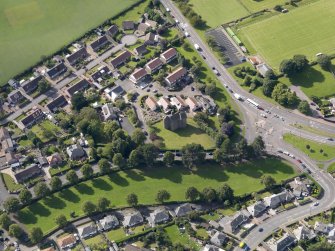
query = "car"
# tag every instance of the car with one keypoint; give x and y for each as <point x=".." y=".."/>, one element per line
<point x="330" y="139"/>
<point x="309" y="171"/>
<point x="154" y="91"/>
<point x="203" y="57"/>
<point x="167" y="9"/>
<point x="150" y="85"/>
<point x="303" y="165"/>
<point x="225" y="85"/>
<point x="213" y="68"/>
<point x="280" y="150"/>
<point x="263" y="115"/>
<point x="299" y="160"/>
<point x="177" y="21"/>
<point x="146" y="133"/>
<point x="230" y="90"/>
<point x="148" y="90"/>
<point x="312" y="103"/>
<point x="316" y="204"/>
<point x="260" y="229"/>
<point x="192" y="88"/>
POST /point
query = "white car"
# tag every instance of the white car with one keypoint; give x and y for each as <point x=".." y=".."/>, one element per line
<point x="177" y="21"/>
<point x="167" y="9"/>
<point x="316" y="204"/>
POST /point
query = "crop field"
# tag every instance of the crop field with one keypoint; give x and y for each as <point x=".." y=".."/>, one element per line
<point x="305" y="30"/>
<point x="32" y="28"/>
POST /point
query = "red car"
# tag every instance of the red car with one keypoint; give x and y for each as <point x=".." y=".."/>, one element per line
<point x="299" y="160"/>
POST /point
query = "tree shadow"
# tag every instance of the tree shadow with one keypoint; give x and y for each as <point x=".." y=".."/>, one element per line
<point x="101" y="184"/>
<point x="68" y="195"/>
<point x="27" y="217"/>
<point x="118" y="180"/>
<point x="39" y="209"/>
<point x="54" y="202"/>
<point x="83" y="188"/>
<point x="172" y="174"/>
<point x="135" y="175"/>
<point x="308" y="78"/>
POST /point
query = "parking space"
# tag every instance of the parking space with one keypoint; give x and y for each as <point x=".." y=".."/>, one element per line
<point x="230" y="50"/>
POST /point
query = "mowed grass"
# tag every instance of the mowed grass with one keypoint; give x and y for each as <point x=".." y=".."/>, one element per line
<point x="305" y="30"/>
<point x="183" y="238"/>
<point x="216" y="12"/>
<point x="244" y="178"/>
<point x="32" y="28"/>
<point x="328" y="151"/>
<point x="179" y="138"/>
<point x="254" y="6"/>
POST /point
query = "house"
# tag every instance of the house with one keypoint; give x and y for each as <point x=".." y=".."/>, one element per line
<point x="151" y="103"/>
<point x="112" y="31"/>
<point x="99" y="43"/>
<point x="4" y="134"/>
<point x="54" y="159"/>
<point x="13" y="83"/>
<point x="218" y="238"/>
<point x="303" y="233"/>
<point x="115" y="93"/>
<point x="168" y="55"/>
<point x="141" y="50"/>
<point x="88" y="230"/>
<point x="100" y="73"/>
<point x="139" y="75"/>
<point x="120" y="59"/>
<point x="11" y="159"/>
<point x="179" y="103"/>
<point x="67" y="241"/>
<point x="31" y="85"/>
<point x="154" y="65"/>
<point x="254" y="60"/>
<point x="176" y="76"/>
<point x="275" y="200"/>
<point x="209" y="247"/>
<point x="151" y="38"/>
<point x="57" y="103"/>
<point x="42" y="161"/>
<point x="300" y="188"/>
<point x="193" y="104"/>
<point x="27" y="173"/>
<point x="160" y="215"/>
<point x="164" y="103"/>
<point x="78" y="87"/>
<point x="152" y="24"/>
<point x="108" y="222"/>
<point x="257" y="209"/>
<point x="142" y="29"/>
<point x="57" y="71"/>
<point x="75" y="152"/>
<point x="77" y="56"/>
<point x="323" y="228"/>
<point x="236" y="221"/>
<point x="15" y="97"/>
<point x="7" y="144"/>
<point x="128" y="25"/>
<point x="175" y="121"/>
<point x="183" y="210"/>
<point x="108" y="112"/>
<point x="331" y="235"/>
<point x="132" y="219"/>
<point x="263" y="69"/>
<point x="35" y="116"/>
<point x="283" y="243"/>
<point x="207" y="104"/>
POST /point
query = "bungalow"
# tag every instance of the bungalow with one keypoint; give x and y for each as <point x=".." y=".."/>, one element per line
<point x="112" y="31"/>
<point x="75" y="152"/>
<point x="99" y="43"/>
<point x="78" y="87"/>
<point x="164" y="103"/>
<point x="27" y="173"/>
<point x="275" y="200"/>
<point x="257" y="209"/>
<point x="31" y="85"/>
<point x="218" y="238"/>
<point x="304" y="233"/>
<point x="209" y="247"/>
<point x="100" y="73"/>
<point x="154" y="65"/>
<point x="15" y="97"/>
<point x="151" y="23"/>
<point x="108" y="112"/>
<point x="233" y="223"/>
<point x="87" y="230"/>
<point x="168" y="55"/>
<point x="176" y="76"/>
<point x="183" y="210"/>
<point x="67" y="242"/>
<point x="128" y="25"/>
<point x="283" y="243"/>
<point x="141" y="50"/>
<point x="35" y="116"/>
<point x="54" y="160"/>
<point x="139" y="75"/>
<point x="57" y="71"/>
<point x="151" y="103"/>
<point x="11" y="159"/>
<point x="115" y="93"/>
<point x="207" y="104"/>
<point x="323" y="228"/>
<point x="193" y="104"/>
<point x="158" y="216"/>
<point x="142" y="29"/>
<point x="108" y="222"/>
<point x="120" y="59"/>
<point x="263" y="69"/>
<point x="57" y="103"/>
<point x="133" y="219"/>
<point x="77" y="56"/>
<point x="178" y="102"/>
<point x="151" y="39"/>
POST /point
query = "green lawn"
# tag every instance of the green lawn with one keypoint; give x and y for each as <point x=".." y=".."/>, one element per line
<point x="181" y="137"/>
<point x="145" y="184"/>
<point x="46" y="130"/>
<point x="133" y="14"/>
<point x="182" y="238"/>
<point x="116" y="234"/>
<point x="32" y="28"/>
<point x="331" y="168"/>
<point x="315" y="147"/>
<point x="98" y="239"/>
<point x="10" y="183"/>
<point x="309" y="30"/>
<point x="254" y="6"/>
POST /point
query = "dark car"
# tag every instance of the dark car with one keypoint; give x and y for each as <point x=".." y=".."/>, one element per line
<point x="330" y="139"/>
<point x="260" y="229"/>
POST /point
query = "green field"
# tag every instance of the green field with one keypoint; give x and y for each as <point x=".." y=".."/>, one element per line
<point x="46" y="131"/>
<point x="181" y="137"/>
<point x="10" y="183"/>
<point x="254" y="6"/>
<point x="145" y="184"/>
<point x="305" y="30"/>
<point x="315" y="147"/>
<point x="32" y="28"/>
<point x="331" y="167"/>
<point x="183" y="238"/>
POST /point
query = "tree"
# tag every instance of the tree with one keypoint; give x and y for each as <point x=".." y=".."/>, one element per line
<point x="324" y="61"/>
<point x="118" y="160"/>
<point x="104" y="166"/>
<point x="43" y="86"/>
<point x="41" y="189"/>
<point x="61" y="220"/>
<point x="87" y="171"/>
<point x="308" y="146"/>
<point x="132" y="200"/>
<point x="78" y="101"/>
<point x="192" y="154"/>
<point x="134" y="158"/>
<point x="225" y="193"/>
<point x="11" y="204"/>
<point x="210" y="90"/>
<point x="192" y="194"/>
<point x="168" y="158"/>
<point x="5" y="221"/>
<point x="209" y="194"/>
<point x="55" y="183"/>
<point x="103" y="204"/>
<point x="304" y="107"/>
<point x="89" y="208"/>
<point x="36" y="235"/>
<point x="321" y="246"/>
<point x="138" y="137"/>
<point x="25" y="196"/>
<point x="227" y="128"/>
<point x="258" y="146"/>
<point x="300" y="62"/>
<point x="109" y="128"/>
<point x="268" y="86"/>
<point x="72" y="177"/>
<point x="162" y="195"/>
<point x="268" y="181"/>
<point x="15" y="231"/>
<point x="288" y="67"/>
<point x="149" y="153"/>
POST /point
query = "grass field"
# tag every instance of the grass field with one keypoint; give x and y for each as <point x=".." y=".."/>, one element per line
<point x="254" y="6"/>
<point x="46" y="131"/>
<point x="32" y="28"/>
<point x="315" y="147"/>
<point x="305" y="30"/>
<point x="182" y="238"/>
<point x="181" y="137"/>
<point x="331" y="168"/>
<point x="145" y="184"/>
<point x="10" y="183"/>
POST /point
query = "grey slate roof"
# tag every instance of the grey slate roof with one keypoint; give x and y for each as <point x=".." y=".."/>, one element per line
<point x="108" y="222"/>
<point x="159" y="216"/>
<point x="31" y="85"/>
<point x="87" y="230"/>
<point x="132" y="219"/>
<point x="283" y="243"/>
<point x="77" y="87"/>
<point x="257" y="208"/>
<point x="183" y="209"/>
<point x="77" y="55"/>
<point x="27" y="173"/>
<point x="58" y="102"/>
<point x="218" y="238"/>
<point x="57" y="70"/>
<point x="275" y="200"/>
<point x="303" y="233"/>
<point x="100" y="42"/>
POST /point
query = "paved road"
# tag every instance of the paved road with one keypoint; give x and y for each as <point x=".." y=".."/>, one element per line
<point x="272" y="130"/>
